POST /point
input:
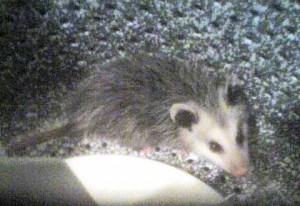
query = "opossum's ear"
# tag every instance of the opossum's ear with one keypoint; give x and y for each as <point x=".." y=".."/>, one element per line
<point x="183" y="115"/>
<point x="235" y="95"/>
<point x="235" y="91"/>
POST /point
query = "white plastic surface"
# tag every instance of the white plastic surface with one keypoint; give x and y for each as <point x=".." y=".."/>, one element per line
<point x="114" y="179"/>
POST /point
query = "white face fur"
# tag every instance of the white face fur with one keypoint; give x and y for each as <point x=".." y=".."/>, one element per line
<point x="220" y="136"/>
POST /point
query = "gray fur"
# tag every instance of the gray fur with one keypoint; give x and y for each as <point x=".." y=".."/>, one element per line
<point x="130" y="98"/>
<point x="136" y="94"/>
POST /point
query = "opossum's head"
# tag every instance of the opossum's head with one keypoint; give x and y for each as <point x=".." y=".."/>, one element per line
<point x="219" y="134"/>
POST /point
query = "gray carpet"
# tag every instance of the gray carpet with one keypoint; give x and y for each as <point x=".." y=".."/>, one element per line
<point x="47" y="47"/>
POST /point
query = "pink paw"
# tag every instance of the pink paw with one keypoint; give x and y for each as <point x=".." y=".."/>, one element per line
<point x="146" y="150"/>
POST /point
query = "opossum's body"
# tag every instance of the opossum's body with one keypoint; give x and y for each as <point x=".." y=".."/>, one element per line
<point x="150" y="101"/>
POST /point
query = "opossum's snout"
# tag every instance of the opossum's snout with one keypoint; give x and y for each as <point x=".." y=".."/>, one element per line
<point x="240" y="171"/>
<point x="236" y="163"/>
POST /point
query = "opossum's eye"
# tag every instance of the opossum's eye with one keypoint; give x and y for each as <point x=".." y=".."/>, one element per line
<point x="235" y="95"/>
<point x="215" y="147"/>
<point x="185" y="118"/>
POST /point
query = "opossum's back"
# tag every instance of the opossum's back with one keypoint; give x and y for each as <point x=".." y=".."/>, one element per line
<point x="140" y="89"/>
<point x="145" y="79"/>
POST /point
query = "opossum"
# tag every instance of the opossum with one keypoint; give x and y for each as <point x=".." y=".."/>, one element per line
<point x="152" y="100"/>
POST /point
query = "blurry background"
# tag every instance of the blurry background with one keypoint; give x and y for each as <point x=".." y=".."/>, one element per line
<point x="47" y="47"/>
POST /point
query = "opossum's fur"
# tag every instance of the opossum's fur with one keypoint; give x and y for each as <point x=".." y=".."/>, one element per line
<point x="151" y="100"/>
<point x="132" y="97"/>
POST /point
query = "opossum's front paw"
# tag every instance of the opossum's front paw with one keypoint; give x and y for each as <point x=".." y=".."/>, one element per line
<point x="147" y="150"/>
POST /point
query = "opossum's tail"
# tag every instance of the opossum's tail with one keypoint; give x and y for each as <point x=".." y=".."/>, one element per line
<point x="20" y="143"/>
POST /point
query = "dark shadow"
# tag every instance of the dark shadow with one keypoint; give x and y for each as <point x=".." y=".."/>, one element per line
<point x="40" y="182"/>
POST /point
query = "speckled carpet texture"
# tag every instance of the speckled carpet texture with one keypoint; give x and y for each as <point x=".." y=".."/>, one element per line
<point x="48" y="47"/>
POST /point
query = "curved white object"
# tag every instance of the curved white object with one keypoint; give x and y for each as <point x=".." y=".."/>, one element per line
<point x="114" y="179"/>
<point x="99" y="180"/>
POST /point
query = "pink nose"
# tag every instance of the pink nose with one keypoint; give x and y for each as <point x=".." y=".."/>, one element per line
<point x="241" y="171"/>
